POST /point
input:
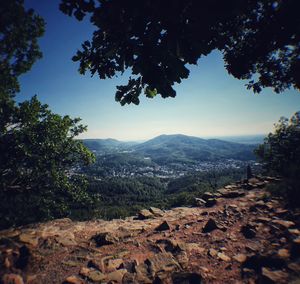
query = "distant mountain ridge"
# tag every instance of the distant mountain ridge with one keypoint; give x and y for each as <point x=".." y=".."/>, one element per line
<point x="177" y="148"/>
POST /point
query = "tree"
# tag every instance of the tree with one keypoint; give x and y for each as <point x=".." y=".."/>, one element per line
<point x="156" y="40"/>
<point x="280" y="154"/>
<point x="38" y="159"/>
<point x="19" y="30"/>
<point x="38" y="152"/>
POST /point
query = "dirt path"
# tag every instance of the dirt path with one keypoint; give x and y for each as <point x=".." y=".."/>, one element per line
<point x="243" y="237"/>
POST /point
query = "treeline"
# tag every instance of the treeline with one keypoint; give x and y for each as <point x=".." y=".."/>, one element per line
<point x="116" y="197"/>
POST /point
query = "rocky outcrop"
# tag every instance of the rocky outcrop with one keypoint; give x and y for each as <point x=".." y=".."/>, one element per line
<point x="243" y="236"/>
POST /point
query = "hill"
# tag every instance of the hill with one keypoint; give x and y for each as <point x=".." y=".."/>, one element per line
<point x="106" y="145"/>
<point x="182" y="148"/>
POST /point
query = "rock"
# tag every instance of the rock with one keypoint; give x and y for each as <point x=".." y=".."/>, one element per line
<point x="223" y="256"/>
<point x="142" y="274"/>
<point x="186" y="277"/>
<point x="182" y="259"/>
<point x="241" y="258"/>
<point x="92" y="274"/>
<point x="228" y="193"/>
<point x="212" y="252"/>
<point x="211" y="202"/>
<point x="145" y="214"/>
<point x="164" y="226"/>
<point x="116" y="276"/>
<point x="113" y="264"/>
<point x="200" y="202"/>
<point x="195" y="247"/>
<point x="263" y="219"/>
<point x="67" y="240"/>
<point x="210" y="226"/>
<point x="162" y="262"/>
<point x="295" y="232"/>
<point x="274" y="277"/>
<point x="171" y="245"/>
<point x="284" y="253"/>
<point x="207" y="195"/>
<point x="156" y="212"/>
<point x="12" y="279"/>
<point x="248" y="231"/>
<point x="30" y="239"/>
<point x="283" y="223"/>
<point x="73" y="279"/>
<point x="102" y="239"/>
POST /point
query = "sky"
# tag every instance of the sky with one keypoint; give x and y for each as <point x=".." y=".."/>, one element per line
<point x="210" y="103"/>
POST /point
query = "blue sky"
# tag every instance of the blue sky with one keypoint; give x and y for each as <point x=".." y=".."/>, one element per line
<point x="209" y="103"/>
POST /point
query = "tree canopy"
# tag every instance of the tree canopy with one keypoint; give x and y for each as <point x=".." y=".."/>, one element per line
<point x="19" y="49"/>
<point x="38" y="152"/>
<point x="280" y="154"/>
<point x="157" y="40"/>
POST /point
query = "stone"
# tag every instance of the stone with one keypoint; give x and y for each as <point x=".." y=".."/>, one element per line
<point x="207" y="195"/>
<point x="113" y="264"/>
<point x="283" y="223"/>
<point x="92" y="274"/>
<point x="195" y="247"/>
<point x="116" y="276"/>
<point x="164" y="262"/>
<point x="274" y="277"/>
<point x="186" y="277"/>
<point x="164" y="226"/>
<point x="263" y="219"/>
<point x="248" y="231"/>
<point x="145" y="214"/>
<point x="73" y="279"/>
<point x="227" y="193"/>
<point x="241" y="258"/>
<point x="212" y="252"/>
<point x="200" y="202"/>
<point x="210" y="226"/>
<point x="102" y="239"/>
<point x="182" y="259"/>
<point x="156" y="212"/>
<point x="12" y="279"/>
<point x="284" y="253"/>
<point x="223" y="256"/>
<point x="29" y="239"/>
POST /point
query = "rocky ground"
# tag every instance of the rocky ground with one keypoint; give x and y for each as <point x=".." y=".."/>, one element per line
<point x="238" y="235"/>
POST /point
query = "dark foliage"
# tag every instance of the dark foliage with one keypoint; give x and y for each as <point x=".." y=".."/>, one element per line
<point x="156" y="40"/>
<point x="281" y="156"/>
<point x="38" y="151"/>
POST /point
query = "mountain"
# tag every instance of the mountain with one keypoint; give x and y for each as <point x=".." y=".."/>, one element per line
<point x="106" y="145"/>
<point x="182" y="148"/>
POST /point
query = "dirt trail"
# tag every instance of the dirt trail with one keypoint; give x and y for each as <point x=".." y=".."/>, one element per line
<point x="238" y="235"/>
